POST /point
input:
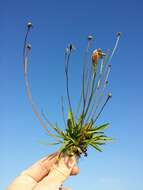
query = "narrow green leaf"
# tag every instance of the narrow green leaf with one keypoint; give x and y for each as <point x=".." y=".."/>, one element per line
<point x="49" y="144"/>
<point x="70" y="117"/>
<point x="106" y="138"/>
<point x="102" y="127"/>
<point x="96" y="147"/>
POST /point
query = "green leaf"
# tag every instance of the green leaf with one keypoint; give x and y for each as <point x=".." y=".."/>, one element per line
<point x="49" y="144"/>
<point x="100" y="143"/>
<point x="61" y="133"/>
<point x="71" y="139"/>
<point x="94" y="132"/>
<point x="96" y="147"/>
<point x="69" y="124"/>
<point x="99" y="137"/>
<point x="63" y="147"/>
<point x="106" y="138"/>
<point x="71" y="118"/>
<point x="102" y="127"/>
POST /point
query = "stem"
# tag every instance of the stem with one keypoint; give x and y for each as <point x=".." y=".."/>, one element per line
<point x="97" y="87"/>
<point x="79" y="105"/>
<point x="101" y="109"/>
<point x="25" y="62"/>
<point x="67" y="57"/>
<point x="92" y="93"/>
<point x="115" y="48"/>
<point x="88" y="84"/>
<point x="47" y="120"/>
<point x="67" y="78"/>
<point x="63" y="115"/>
<point x="107" y="71"/>
<point x="84" y="79"/>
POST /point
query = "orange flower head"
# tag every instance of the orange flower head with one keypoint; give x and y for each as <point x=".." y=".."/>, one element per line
<point x="96" y="55"/>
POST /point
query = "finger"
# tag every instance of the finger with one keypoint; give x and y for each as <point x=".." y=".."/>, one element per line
<point x="57" y="175"/>
<point x="74" y="171"/>
<point x="40" y="169"/>
<point x="22" y="183"/>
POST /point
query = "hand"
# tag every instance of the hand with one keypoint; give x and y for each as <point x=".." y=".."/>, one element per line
<point x="46" y="174"/>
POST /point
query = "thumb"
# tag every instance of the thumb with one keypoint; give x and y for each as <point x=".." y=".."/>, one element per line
<point x="22" y="182"/>
<point x="58" y="174"/>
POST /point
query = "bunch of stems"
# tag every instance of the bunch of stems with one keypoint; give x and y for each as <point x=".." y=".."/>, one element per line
<point x="92" y="101"/>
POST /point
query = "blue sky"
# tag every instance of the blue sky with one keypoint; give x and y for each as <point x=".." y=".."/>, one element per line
<point x="57" y="23"/>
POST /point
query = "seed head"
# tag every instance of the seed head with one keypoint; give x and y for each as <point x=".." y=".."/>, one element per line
<point x="109" y="95"/>
<point x="90" y="37"/>
<point x="71" y="47"/>
<point x="118" y="34"/>
<point x="29" y="46"/>
<point x="29" y="25"/>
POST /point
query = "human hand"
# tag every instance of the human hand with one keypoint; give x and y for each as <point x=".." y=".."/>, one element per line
<point x="46" y="174"/>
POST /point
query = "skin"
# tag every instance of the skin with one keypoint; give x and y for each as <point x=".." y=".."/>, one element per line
<point x="47" y="174"/>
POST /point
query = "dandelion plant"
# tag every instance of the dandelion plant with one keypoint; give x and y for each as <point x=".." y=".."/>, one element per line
<point x="81" y="130"/>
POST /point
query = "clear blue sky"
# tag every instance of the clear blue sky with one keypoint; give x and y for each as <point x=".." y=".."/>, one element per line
<point x="56" y="23"/>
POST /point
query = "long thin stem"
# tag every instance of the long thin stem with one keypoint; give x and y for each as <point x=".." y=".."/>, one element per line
<point x="101" y="109"/>
<point x="79" y="105"/>
<point x="63" y="113"/>
<point x="50" y="125"/>
<point x="106" y="75"/>
<point x="115" y="47"/>
<point x="97" y="87"/>
<point x="67" y="58"/>
<point x="25" y="62"/>
<point x="81" y="96"/>
<point x="84" y="79"/>
<point x="88" y="86"/>
<point x="91" y="95"/>
<point x="67" y="78"/>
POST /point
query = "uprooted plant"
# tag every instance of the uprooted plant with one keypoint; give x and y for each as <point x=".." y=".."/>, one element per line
<point x="80" y="127"/>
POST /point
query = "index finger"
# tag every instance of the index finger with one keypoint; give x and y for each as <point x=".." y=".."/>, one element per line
<point x="40" y="169"/>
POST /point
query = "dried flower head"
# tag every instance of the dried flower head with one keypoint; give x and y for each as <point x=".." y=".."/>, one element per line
<point x="97" y="53"/>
